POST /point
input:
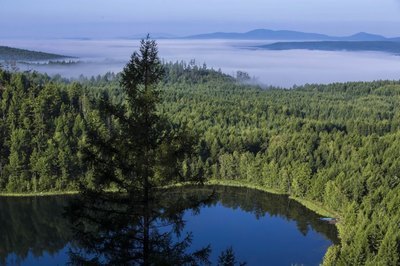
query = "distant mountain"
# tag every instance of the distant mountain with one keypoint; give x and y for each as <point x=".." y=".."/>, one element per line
<point x="363" y="36"/>
<point x="262" y="34"/>
<point x="376" y="46"/>
<point x="16" y="54"/>
<point x="265" y="34"/>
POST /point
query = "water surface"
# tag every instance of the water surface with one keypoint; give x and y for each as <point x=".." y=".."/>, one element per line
<point x="262" y="228"/>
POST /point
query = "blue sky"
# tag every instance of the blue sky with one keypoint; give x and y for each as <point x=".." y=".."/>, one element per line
<point x="124" y="18"/>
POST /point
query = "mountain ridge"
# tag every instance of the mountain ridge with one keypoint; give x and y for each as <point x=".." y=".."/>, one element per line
<point x="267" y="34"/>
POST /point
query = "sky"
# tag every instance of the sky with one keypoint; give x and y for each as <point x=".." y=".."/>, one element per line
<point x="129" y="18"/>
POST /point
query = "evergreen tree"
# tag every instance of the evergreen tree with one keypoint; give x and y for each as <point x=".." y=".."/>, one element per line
<point x="228" y="258"/>
<point x="131" y="146"/>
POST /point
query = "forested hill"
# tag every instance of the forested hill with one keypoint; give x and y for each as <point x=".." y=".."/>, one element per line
<point x="15" y="54"/>
<point x="337" y="145"/>
<point x="375" y="46"/>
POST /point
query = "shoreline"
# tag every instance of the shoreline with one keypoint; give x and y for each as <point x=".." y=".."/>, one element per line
<point x="314" y="206"/>
<point x="39" y="194"/>
<point x="321" y="210"/>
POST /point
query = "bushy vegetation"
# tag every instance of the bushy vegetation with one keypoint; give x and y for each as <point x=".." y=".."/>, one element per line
<point x="337" y="145"/>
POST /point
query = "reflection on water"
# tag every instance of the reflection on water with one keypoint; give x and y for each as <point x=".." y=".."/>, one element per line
<point x="111" y="229"/>
<point x="31" y="227"/>
<point x="185" y="225"/>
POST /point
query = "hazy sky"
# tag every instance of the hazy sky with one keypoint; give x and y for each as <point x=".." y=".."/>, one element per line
<point x="124" y="18"/>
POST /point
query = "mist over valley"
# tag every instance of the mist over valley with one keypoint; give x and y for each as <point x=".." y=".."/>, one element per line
<point x="283" y="68"/>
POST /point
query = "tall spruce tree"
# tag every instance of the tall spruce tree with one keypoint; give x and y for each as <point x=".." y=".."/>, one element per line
<point x="131" y="146"/>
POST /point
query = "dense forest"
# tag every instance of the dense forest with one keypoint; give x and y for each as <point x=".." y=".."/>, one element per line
<point x="16" y="54"/>
<point x="337" y="145"/>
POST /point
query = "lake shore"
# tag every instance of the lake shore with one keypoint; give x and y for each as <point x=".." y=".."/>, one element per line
<point x="316" y="207"/>
<point x="39" y="194"/>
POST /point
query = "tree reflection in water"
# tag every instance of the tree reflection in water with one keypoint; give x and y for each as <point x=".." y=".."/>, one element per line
<point x="114" y="229"/>
<point x="33" y="229"/>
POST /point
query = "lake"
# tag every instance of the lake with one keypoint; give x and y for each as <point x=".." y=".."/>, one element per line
<point x="261" y="228"/>
<point x="277" y="68"/>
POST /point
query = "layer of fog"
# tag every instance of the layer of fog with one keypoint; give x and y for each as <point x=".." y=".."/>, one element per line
<point x="278" y="68"/>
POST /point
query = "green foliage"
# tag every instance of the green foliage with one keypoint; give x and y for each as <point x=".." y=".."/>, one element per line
<point x="130" y="145"/>
<point x="337" y="145"/>
<point x="40" y="133"/>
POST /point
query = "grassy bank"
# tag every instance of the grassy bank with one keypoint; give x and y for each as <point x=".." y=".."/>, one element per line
<point x="39" y="194"/>
<point x="314" y="206"/>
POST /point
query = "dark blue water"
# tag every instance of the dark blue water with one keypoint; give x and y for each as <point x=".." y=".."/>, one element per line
<point x="268" y="240"/>
<point x="261" y="228"/>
